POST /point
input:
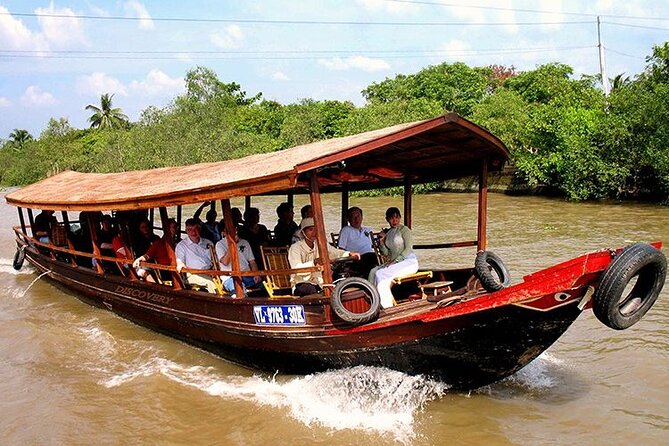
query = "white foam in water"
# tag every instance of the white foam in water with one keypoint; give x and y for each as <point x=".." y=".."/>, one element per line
<point x="6" y="267"/>
<point x="537" y="375"/>
<point x="368" y="398"/>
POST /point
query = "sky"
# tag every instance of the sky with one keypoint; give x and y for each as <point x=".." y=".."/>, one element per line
<point x="56" y="57"/>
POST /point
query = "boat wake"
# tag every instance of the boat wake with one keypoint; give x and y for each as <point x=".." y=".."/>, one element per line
<point x="372" y="399"/>
<point x="6" y="267"/>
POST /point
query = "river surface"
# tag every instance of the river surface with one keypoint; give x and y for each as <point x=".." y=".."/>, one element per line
<point x="74" y="374"/>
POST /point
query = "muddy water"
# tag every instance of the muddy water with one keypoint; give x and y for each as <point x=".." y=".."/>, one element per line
<point x="73" y="374"/>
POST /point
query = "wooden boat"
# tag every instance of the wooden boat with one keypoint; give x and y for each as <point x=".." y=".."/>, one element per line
<point x="466" y="327"/>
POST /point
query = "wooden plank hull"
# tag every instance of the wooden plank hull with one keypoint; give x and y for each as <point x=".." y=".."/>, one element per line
<point x="465" y="345"/>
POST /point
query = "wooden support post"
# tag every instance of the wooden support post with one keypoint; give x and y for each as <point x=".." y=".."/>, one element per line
<point x="176" y="281"/>
<point x="344" y="204"/>
<point x="66" y="220"/>
<point x="92" y="226"/>
<point x="408" y="193"/>
<point x="151" y="219"/>
<point x="179" y="222"/>
<point x="321" y="238"/>
<point x="230" y="231"/>
<point x="483" y="207"/>
<point x="31" y="220"/>
<point x="247" y="202"/>
<point x="290" y="199"/>
<point x="23" y="222"/>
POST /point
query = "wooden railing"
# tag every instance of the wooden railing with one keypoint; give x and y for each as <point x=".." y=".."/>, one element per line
<point x="121" y="261"/>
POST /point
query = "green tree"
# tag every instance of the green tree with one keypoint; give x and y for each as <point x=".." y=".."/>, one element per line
<point x="18" y="139"/>
<point x="456" y="87"/>
<point x="105" y="116"/>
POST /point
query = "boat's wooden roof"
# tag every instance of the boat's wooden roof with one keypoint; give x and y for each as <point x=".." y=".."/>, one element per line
<point x="435" y="149"/>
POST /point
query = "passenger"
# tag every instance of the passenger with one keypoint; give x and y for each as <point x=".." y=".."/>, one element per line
<point x="247" y="261"/>
<point x="237" y="218"/>
<point x="285" y="227"/>
<point x="121" y="250"/>
<point x="304" y="254"/>
<point x="305" y="212"/>
<point x="144" y="237"/>
<point x="358" y="238"/>
<point x="208" y="228"/>
<point x="81" y="239"/>
<point x="193" y="252"/>
<point x="42" y="225"/>
<point x="397" y="244"/>
<point x="161" y="251"/>
<point x="105" y="236"/>
<point x="254" y="233"/>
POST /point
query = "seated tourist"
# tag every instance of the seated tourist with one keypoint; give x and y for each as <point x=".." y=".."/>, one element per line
<point x="208" y="228"/>
<point x="285" y="226"/>
<point x="247" y="261"/>
<point x="161" y="251"/>
<point x="397" y="244"/>
<point x="143" y="238"/>
<point x="304" y="254"/>
<point x="254" y="233"/>
<point x="305" y="212"/>
<point x="193" y="252"/>
<point x="42" y="225"/>
<point x="358" y="238"/>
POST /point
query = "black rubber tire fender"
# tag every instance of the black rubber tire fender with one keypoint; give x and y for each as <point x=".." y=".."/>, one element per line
<point x="486" y="262"/>
<point x="348" y="316"/>
<point x="614" y="304"/>
<point x="19" y="257"/>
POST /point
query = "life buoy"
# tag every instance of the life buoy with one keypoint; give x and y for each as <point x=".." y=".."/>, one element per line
<point x="19" y="257"/>
<point x="348" y="316"/>
<point x="485" y="264"/>
<point x="611" y="304"/>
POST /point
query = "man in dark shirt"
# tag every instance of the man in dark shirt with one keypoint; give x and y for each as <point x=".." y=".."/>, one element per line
<point x="286" y="226"/>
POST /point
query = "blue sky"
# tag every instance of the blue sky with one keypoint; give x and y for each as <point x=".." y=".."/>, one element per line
<point x="57" y="57"/>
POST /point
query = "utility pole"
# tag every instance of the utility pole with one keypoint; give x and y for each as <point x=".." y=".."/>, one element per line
<point x="602" y="62"/>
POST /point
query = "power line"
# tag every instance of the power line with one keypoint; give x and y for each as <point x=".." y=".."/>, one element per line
<point x="624" y="54"/>
<point x="532" y="11"/>
<point x="289" y="22"/>
<point x="629" y="25"/>
<point x="265" y="55"/>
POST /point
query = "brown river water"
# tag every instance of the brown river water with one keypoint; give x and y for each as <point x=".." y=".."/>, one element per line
<point x="74" y="374"/>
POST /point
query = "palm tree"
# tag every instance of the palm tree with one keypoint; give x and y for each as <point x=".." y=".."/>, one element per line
<point x="19" y="137"/>
<point x="106" y="117"/>
<point x="620" y="81"/>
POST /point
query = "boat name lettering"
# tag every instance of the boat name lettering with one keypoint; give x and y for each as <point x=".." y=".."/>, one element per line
<point x="279" y="314"/>
<point x="154" y="297"/>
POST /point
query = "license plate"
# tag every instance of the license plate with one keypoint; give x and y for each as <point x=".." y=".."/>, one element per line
<point x="279" y="314"/>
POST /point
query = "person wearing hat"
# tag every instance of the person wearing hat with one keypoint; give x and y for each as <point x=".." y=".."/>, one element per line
<point x="304" y="254"/>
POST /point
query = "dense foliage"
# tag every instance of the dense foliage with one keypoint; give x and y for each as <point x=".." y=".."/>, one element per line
<point x="564" y="134"/>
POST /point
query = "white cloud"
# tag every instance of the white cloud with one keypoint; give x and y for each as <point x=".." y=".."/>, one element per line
<point x="231" y="37"/>
<point x="35" y="97"/>
<point x="388" y="6"/>
<point x="280" y="76"/>
<point x="549" y="18"/>
<point x="355" y="62"/>
<point x="158" y="83"/>
<point x="61" y="31"/>
<point x="4" y="102"/>
<point x="136" y="9"/>
<point x="98" y="83"/>
<point x="14" y="35"/>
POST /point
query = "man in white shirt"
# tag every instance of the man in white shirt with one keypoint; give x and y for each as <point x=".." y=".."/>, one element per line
<point x="304" y="254"/>
<point x="193" y="252"/>
<point x="247" y="261"/>
<point x="358" y="238"/>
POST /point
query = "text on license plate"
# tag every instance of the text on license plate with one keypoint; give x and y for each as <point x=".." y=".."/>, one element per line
<point x="279" y="314"/>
